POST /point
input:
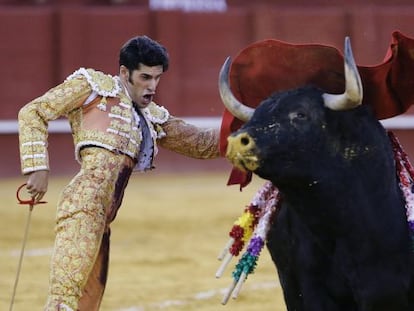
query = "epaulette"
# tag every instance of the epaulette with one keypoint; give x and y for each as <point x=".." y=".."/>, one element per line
<point x="156" y="114"/>
<point x="103" y="84"/>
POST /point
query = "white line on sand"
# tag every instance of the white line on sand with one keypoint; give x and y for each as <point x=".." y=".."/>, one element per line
<point x="199" y="296"/>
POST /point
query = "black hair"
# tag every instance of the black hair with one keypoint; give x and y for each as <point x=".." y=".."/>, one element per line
<point x="144" y="50"/>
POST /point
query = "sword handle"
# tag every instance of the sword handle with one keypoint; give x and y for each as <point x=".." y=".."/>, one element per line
<point x="31" y="202"/>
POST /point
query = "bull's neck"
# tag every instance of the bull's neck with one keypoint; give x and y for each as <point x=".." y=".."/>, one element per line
<point x="340" y="201"/>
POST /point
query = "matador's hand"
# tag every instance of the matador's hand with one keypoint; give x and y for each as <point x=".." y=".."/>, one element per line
<point x="37" y="184"/>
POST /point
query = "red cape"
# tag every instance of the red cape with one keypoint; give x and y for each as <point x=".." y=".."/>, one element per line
<point x="270" y="65"/>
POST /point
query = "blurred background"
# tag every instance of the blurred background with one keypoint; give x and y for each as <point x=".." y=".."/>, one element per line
<point x="43" y="41"/>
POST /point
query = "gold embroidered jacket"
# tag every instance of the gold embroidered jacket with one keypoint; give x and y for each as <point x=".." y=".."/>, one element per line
<point x="101" y="114"/>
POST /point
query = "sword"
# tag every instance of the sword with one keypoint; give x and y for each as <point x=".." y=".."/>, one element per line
<point x="31" y="202"/>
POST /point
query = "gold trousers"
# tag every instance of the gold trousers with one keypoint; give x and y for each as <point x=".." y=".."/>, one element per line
<point x="88" y="204"/>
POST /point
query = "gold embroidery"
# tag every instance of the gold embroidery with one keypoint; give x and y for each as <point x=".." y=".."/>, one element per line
<point x="103" y="84"/>
<point x="34" y="117"/>
<point x="190" y="140"/>
<point x="81" y="222"/>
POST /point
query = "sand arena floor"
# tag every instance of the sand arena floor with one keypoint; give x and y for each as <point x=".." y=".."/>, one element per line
<point x="164" y="248"/>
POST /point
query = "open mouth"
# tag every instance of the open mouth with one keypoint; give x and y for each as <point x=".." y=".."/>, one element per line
<point x="243" y="162"/>
<point x="147" y="98"/>
<point x="250" y="163"/>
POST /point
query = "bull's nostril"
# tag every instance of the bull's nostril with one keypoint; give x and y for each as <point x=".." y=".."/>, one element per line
<point x="245" y="141"/>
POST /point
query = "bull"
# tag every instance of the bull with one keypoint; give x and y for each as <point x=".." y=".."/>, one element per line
<point x="340" y="241"/>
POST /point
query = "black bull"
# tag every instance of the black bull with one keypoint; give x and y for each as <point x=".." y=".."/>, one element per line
<point x="340" y="240"/>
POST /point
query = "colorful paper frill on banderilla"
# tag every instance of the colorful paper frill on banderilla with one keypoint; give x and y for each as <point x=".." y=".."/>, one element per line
<point x="250" y="229"/>
<point x="405" y="173"/>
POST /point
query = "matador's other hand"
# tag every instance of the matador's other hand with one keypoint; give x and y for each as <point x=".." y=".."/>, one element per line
<point x="37" y="184"/>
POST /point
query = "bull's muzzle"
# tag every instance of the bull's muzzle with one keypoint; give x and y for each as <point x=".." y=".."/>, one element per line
<point x="241" y="151"/>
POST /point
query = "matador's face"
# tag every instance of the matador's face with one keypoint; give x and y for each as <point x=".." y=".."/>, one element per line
<point x="142" y="83"/>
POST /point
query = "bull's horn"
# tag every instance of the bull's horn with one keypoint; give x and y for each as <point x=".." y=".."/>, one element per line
<point x="236" y="108"/>
<point x="352" y="97"/>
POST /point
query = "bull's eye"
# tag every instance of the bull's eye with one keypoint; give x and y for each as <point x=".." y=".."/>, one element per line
<point x="297" y="115"/>
<point x="300" y="115"/>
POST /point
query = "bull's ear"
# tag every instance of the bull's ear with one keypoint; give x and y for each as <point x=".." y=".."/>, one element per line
<point x="352" y="97"/>
<point x="236" y="108"/>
